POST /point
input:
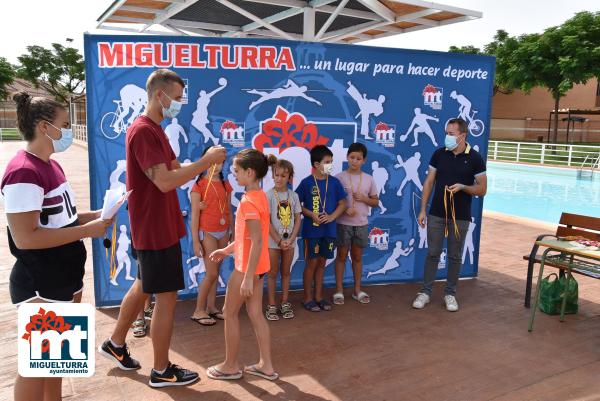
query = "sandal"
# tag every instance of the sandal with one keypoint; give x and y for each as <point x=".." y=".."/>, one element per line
<point x="217" y="315"/>
<point x="139" y="328"/>
<point x="271" y="313"/>
<point x="216" y="374"/>
<point x="149" y="311"/>
<point x="324" y="305"/>
<point x="311" y="306"/>
<point x="338" y="298"/>
<point x="362" y="297"/>
<point x="286" y="310"/>
<point x="253" y="370"/>
<point x="204" y="321"/>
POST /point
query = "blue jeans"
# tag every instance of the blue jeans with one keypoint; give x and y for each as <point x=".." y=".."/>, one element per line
<point x="435" y="240"/>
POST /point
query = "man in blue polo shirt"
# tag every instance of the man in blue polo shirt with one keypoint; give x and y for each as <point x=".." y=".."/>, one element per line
<point x="456" y="174"/>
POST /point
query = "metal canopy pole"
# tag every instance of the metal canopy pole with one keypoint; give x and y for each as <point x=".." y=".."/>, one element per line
<point x="309" y="24"/>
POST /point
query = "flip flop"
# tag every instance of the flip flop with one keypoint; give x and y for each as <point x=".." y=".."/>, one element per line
<point x="338" y="298"/>
<point x="253" y="370"/>
<point x="201" y="320"/>
<point x="361" y="297"/>
<point x="217" y="315"/>
<point x="311" y="306"/>
<point x="216" y="374"/>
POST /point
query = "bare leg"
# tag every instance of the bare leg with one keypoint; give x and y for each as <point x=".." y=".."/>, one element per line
<point x="39" y="388"/>
<point x="357" y="266"/>
<point x="211" y="306"/>
<point x="340" y="265"/>
<point x="231" y="310"/>
<point x="286" y="266"/>
<point x="319" y="274"/>
<point x="309" y="278"/>
<point x="130" y="307"/>
<point x="162" y="328"/>
<point x="29" y="388"/>
<point x="274" y="255"/>
<point x="209" y="244"/>
<point x="53" y="389"/>
<point x="260" y="326"/>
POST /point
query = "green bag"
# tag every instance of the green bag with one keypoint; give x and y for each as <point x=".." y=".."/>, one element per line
<point x="551" y="294"/>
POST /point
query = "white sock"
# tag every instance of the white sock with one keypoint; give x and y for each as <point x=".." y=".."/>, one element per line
<point x="115" y="344"/>
<point x="160" y="372"/>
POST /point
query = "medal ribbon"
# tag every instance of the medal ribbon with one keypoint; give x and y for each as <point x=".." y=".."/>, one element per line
<point x="321" y="202"/>
<point x="449" y="202"/>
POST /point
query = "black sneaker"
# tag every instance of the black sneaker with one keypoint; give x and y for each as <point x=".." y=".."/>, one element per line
<point x="173" y="376"/>
<point x="119" y="355"/>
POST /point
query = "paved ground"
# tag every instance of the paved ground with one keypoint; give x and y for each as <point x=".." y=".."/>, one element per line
<point x="382" y="351"/>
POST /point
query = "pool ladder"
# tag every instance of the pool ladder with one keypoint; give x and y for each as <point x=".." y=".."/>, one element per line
<point x="586" y="171"/>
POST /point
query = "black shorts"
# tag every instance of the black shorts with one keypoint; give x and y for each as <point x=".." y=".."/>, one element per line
<point x="51" y="275"/>
<point x="161" y="270"/>
<point x="20" y="293"/>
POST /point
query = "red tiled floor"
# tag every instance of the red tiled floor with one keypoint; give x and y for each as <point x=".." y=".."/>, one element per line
<point x="382" y="351"/>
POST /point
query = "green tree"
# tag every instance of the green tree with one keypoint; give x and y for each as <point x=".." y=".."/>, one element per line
<point x="580" y="57"/>
<point x="501" y="39"/>
<point x="557" y="59"/>
<point x="59" y="70"/>
<point x="7" y="77"/>
<point x="465" y="50"/>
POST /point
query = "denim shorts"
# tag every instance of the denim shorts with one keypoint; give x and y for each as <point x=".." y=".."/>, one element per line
<point x="352" y="235"/>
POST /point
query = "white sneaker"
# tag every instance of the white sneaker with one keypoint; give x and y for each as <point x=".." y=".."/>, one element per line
<point x="421" y="300"/>
<point x="451" y="304"/>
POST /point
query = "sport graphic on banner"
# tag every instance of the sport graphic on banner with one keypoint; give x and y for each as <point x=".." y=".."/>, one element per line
<point x="283" y="98"/>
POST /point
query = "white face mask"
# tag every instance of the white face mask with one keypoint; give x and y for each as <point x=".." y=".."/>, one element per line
<point x="65" y="140"/>
<point x="173" y="110"/>
<point x="327" y="168"/>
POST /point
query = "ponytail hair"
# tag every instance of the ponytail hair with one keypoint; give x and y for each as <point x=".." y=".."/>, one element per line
<point x="255" y="160"/>
<point x="32" y="110"/>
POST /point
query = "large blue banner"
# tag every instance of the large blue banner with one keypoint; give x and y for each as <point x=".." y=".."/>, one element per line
<point x="284" y="97"/>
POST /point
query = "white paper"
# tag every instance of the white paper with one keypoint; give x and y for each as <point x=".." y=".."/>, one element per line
<point x="113" y="200"/>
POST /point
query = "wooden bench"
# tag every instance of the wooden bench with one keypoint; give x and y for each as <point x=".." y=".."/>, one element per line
<point x="570" y="224"/>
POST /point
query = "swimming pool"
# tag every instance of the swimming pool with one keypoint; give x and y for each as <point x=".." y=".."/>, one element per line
<point x="540" y="193"/>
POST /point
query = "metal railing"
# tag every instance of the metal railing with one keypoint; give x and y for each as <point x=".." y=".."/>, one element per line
<point x="541" y="153"/>
<point x="80" y="132"/>
<point x="587" y="171"/>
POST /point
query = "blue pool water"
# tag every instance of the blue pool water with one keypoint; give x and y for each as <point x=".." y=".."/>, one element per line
<point x="540" y="193"/>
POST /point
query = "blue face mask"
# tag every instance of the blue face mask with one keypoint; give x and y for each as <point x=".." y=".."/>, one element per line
<point x="450" y="142"/>
<point x="173" y="110"/>
<point x="65" y="140"/>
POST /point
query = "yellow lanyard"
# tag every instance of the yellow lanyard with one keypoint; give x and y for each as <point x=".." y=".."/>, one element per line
<point x="450" y="199"/>
<point x="210" y="176"/>
<point x="352" y="187"/>
<point x="113" y="246"/>
<point x="321" y="202"/>
<point x="221" y="205"/>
